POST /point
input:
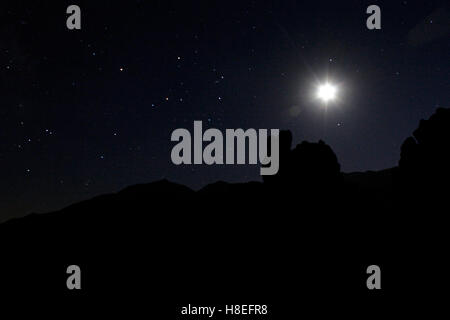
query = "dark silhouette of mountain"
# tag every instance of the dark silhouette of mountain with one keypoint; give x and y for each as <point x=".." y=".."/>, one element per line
<point x="309" y="166"/>
<point x="311" y="228"/>
<point x="425" y="157"/>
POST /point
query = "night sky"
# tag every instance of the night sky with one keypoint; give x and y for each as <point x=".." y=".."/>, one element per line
<point x="90" y="111"/>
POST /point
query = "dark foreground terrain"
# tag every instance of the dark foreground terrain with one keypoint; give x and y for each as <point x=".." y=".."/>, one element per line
<point x="299" y="242"/>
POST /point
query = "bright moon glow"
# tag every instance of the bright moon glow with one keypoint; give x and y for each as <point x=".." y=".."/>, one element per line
<point x="326" y="92"/>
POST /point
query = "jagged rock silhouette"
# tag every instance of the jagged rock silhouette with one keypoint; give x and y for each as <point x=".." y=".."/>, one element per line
<point x="425" y="157"/>
<point x="307" y="167"/>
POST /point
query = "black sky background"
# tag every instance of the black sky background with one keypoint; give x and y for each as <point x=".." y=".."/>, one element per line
<point x="91" y="111"/>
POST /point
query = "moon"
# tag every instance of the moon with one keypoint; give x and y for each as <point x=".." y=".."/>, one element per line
<point x="326" y="92"/>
